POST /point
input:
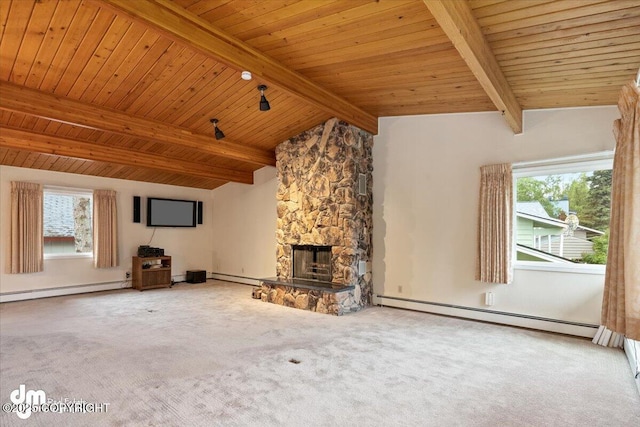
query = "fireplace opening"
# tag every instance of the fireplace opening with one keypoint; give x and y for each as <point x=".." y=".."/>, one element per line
<point x="312" y="262"/>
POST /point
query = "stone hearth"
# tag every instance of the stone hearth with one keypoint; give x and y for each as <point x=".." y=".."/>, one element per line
<point x="325" y="198"/>
<point x="310" y="295"/>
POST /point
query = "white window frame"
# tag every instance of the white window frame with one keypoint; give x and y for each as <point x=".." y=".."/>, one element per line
<point x="561" y="165"/>
<point x="73" y="192"/>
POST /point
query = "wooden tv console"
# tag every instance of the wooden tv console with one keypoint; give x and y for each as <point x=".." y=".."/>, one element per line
<point x="151" y="277"/>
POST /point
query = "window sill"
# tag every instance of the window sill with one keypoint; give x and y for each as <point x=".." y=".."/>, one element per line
<point x="578" y="269"/>
<point x="88" y="255"/>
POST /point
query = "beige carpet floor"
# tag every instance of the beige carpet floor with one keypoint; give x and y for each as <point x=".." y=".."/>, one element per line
<point x="209" y="355"/>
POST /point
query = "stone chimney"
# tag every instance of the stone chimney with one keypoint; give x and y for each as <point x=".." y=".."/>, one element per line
<point x="325" y="198"/>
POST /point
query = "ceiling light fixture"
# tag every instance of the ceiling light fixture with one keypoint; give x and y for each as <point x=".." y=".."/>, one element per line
<point x="218" y="132"/>
<point x="246" y="75"/>
<point x="264" y="104"/>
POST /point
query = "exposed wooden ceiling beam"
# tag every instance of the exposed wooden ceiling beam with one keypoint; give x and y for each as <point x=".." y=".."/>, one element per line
<point x="457" y="21"/>
<point x="49" y="106"/>
<point x="186" y="28"/>
<point x="53" y="145"/>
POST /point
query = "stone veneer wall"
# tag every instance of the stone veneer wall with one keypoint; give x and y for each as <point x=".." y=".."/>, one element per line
<point x="318" y="201"/>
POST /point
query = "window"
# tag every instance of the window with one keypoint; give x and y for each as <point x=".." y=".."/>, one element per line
<point x="67" y="223"/>
<point x="561" y="213"/>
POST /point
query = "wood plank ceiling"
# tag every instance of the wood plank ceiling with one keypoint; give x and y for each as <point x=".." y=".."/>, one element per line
<point x="126" y="89"/>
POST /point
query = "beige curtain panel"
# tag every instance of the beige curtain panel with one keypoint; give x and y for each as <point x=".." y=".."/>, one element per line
<point x="105" y="230"/>
<point x="495" y="224"/>
<point x="621" y="301"/>
<point x="27" y="239"/>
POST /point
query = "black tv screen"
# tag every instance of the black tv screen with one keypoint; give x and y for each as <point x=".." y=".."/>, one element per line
<point x="171" y="212"/>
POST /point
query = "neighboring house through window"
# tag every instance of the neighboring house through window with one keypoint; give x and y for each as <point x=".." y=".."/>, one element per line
<point x="67" y="220"/>
<point x="561" y="213"/>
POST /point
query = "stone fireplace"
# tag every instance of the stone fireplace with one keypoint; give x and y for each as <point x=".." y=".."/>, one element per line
<point x="324" y="203"/>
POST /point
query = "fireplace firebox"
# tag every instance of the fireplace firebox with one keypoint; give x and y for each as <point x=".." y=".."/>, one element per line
<point x="312" y="262"/>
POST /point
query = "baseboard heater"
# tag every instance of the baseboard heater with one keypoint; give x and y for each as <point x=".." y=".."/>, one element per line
<point x="494" y="316"/>
<point x="244" y="280"/>
<point x="632" y="349"/>
<point x="64" y="290"/>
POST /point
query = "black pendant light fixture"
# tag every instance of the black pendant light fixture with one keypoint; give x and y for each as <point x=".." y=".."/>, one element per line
<point x="264" y="104"/>
<point x="218" y="132"/>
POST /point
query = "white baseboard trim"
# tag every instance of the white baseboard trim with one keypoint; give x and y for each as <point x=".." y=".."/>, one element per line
<point x="179" y="278"/>
<point x="238" y="279"/>
<point x="67" y="290"/>
<point x="511" y="319"/>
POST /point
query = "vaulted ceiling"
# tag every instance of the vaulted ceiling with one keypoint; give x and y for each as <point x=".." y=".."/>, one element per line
<point x="126" y="89"/>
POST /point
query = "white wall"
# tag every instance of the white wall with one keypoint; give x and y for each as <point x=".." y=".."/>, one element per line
<point x="244" y="226"/>
<point x="190" y="248"/>
<point x="426" y="181"/>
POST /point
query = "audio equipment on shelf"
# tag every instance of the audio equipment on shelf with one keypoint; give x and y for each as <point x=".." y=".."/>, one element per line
<point x="148" y="251"/>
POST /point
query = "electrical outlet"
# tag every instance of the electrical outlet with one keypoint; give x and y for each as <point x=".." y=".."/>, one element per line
<point x="400" y="289"/>
<point x="489" y="298"/>
<point x="127" y="275"/>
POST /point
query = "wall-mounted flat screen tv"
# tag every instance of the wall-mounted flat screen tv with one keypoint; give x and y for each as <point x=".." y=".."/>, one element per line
<point x="171" y="212"/>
